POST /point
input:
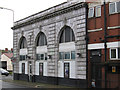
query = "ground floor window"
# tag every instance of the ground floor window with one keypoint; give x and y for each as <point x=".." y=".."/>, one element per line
<point x="41" y="69"/>
<point x="23" y="68"/>
<point x="41" y="56"/>
<point x="66" y="70"/>
<point x="115" y="53"/>
<point x="22" y="57"/>
<point x="67" y="55"/>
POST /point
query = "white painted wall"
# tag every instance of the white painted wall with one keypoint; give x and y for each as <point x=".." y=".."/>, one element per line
<point x="65" y="47"/>
<point x="26" y="67"/>
<point x="44" y="67"/>
<point x="8" y="60"/>
<point x="71" y="67"/>
<point x="23" y="51"/>
<point x="101" y="45"/>
<point x="41" y="49"/>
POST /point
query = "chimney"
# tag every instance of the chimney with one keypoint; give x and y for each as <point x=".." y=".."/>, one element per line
<point x="6" y="49"/>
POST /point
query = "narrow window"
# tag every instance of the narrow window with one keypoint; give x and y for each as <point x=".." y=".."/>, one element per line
<point x="98" y="11"/>
<point x="113" y="53"/>
<point x="119" y="53"/>
<point x="45" y="56"/>
<point x="41" y="69"/>
<point x="118" y="6"/>
<point x="23" y="43"/>
<point x="66" y="70"/>
<point x="23" y="68"/>
<point x="67" y="55"/>
<point x="73" y="55"/>
<point x="61" y="55"/>
<point x="91" y="12"/>
<point x="112" y="8"/>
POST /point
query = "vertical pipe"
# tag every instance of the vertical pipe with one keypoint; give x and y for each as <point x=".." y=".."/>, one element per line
<point x="105" y="41"/>
<point x="86" y="12"/>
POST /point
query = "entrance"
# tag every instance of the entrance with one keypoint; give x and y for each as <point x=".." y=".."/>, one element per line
<point x="96" y="71"/>
<point x="30" y="72"/>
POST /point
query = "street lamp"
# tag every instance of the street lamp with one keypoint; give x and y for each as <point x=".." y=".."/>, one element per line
<point x="9" y="10"/>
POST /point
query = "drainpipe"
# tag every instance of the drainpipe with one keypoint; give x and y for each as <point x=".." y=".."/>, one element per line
<point x="86" y="7"/>
<point x="105" y="41"/>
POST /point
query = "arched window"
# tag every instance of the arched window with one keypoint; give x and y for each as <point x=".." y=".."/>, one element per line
<point x="67" y="35"/>
<point x="23" y="43"/>
<point x="41" y="41"/>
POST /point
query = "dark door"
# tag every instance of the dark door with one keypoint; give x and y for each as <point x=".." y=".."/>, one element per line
<point x="96" y="75"/>
<point x="4" y="64"/>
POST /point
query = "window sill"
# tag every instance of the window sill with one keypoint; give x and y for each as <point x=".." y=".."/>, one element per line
<point x="114" y="13"/>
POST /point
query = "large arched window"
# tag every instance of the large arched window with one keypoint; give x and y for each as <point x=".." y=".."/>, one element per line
<point x="23" y="43"/>
<point x="67" y="35"/>
<point x="41" y="41"/>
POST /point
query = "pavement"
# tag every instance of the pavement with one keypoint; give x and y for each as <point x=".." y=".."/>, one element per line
<point x="9" y="80"/>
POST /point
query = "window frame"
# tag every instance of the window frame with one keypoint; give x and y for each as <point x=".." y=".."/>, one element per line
<point x="41" y="73"/>
<point x="44" y="58"/>
<point x="96" y="9"/>
<point x="117" y="56"/>
<point x="116" y="7"/>
<point x="92" y="12"/>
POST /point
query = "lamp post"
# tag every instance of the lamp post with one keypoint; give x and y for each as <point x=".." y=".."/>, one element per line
<point x="13" y="25"/>
<point x="9" y="10"/>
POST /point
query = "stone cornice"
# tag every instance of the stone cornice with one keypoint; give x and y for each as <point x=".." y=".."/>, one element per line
<point x="48" y="15"/>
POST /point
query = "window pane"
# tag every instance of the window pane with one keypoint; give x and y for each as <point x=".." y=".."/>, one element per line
<point x="73" y="36"/>
<point x="66" y="70"/>
<point x="98" y="11"/>
<point x="62" y="37"/>
<point x="23" y="68"/>
<point x="41" y="56"/>
<point x="22" y="57"/>
<point x="67" y="55"/>
<point x="45" y="56"/>
<point x="91" y="12"/>
<point x="41" y="69"/>
<point x="118" y="6"/>
<point x="112" y="8"/>
<point x="67" y="35"/>
<point x="118" y="52"/>
<point x="61" y="55"/>
<point x="73" y="55"/>
<point x="113" y="53"/>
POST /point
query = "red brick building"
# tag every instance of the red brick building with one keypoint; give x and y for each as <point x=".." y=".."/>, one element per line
<point x="104" y="45"/>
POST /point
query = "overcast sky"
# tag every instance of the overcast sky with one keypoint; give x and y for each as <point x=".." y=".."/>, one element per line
<point x="22" y="9"/>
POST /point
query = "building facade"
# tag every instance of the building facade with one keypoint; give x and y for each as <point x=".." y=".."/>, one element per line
<point x="6" y="62"/>
<point x="104" y="44"/>
<point x="50" y="46"/>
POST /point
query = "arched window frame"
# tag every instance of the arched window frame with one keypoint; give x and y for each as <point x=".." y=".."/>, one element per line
<point x="41" y="40"/>
<point x="23" y="43"/>
<point x="67" y="35"/>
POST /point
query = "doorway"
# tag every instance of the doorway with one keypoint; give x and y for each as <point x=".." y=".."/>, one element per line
<point x="30" y="72"/>
<point x="96" y="70"/>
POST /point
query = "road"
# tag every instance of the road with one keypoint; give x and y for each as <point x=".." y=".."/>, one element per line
<point x="8" y="84"/>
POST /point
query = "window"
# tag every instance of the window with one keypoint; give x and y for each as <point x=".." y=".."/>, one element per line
<point x="41" y="56"/>
<point x="91" y="12"/>
<point x="115" y="53"/>
<point x="23" y="43"/>
<point x="41" y="41"/>
<point x="67" y="55"/>
<point x="98" y="11"/>
<point x="41" y="69"/>
<point x="23" y="68"/>
<point x="118" y="6"/>
<point x="114" y="7"/>
<point x="73" y="55"/>
<point x="22" y="57"/>
<point x="67" y="35"/>
<point x="66" y="70"/>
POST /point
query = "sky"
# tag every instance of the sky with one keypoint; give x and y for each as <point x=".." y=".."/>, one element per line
<point x="22" y="9"/>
